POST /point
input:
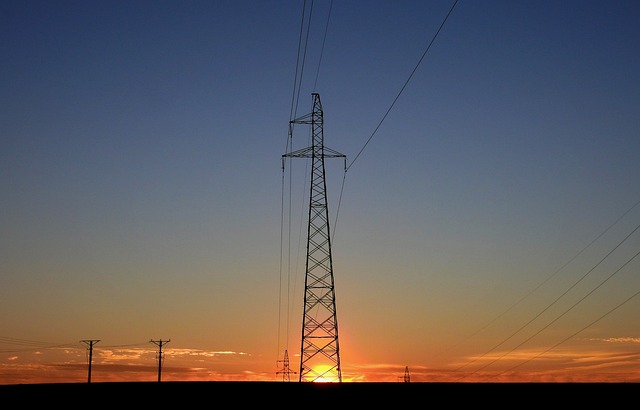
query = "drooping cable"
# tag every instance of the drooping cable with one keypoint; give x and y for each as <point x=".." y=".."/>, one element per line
<point x="324" y="39"/>
<point x="299" y="71"/>
<point x="548" y="278"/>
<point x="563" y="313"/>
<point x="619" y="305"/>
<point x="391" y="106"/>
<point x="405" y="83"/>
<point x="552" y="303"/>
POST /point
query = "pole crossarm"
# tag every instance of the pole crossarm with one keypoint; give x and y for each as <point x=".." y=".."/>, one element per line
<point x="160" y="355"/>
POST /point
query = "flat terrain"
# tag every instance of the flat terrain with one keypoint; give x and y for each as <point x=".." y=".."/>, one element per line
<point x="313" y="395"/>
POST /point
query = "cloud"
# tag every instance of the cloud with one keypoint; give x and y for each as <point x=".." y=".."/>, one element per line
<point x="205" y="353"/>
<point x="635" y="340"/>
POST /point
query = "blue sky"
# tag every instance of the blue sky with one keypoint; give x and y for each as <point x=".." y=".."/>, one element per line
<point x="141" y="149"/>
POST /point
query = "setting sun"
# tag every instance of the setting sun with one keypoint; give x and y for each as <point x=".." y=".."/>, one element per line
<point x="462" y="202"/>
<point x="324" y="373"/>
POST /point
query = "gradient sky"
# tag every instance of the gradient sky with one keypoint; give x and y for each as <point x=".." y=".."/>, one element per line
<point x="485" y="231"/>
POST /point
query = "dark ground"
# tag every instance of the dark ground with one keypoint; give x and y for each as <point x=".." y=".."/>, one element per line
<point x="313" y="395"/>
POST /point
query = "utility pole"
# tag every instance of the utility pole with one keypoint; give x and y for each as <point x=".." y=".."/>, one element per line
<point x="320" y="351"/>
<point x="286" y="370"/>
<point x="90" y="343"/>
<point x="160" y="355"/>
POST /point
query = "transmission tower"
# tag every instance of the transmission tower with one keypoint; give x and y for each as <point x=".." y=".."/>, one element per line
<point x="320" y="350"/>
<point x="286" y="370"/>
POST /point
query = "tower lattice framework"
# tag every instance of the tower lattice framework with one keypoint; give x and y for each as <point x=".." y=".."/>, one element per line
<point x="320" y="349"/>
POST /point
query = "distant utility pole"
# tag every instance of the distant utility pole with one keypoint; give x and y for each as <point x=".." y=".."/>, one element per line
<point x="90" y="343"/>
<point x="160" y="356"/>
<point x="286" y="370"/>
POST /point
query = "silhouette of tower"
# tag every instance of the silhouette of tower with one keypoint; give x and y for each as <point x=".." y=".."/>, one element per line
<point x="407" y="378"/>
<point x="320" y="350"/>
<point x="286" y="370"/>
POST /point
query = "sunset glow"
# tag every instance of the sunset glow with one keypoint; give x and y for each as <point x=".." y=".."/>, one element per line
<point x="482" y="218"/>
<point x="117" y="364"/>
<point x="322" y="374"/>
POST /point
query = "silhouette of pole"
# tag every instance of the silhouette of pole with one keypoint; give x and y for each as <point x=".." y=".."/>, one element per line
<point x="160" y="356"/>
<point x="90" y="343"/>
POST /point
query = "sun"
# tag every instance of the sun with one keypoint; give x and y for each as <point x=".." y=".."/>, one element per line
<point x="325" y="372"/>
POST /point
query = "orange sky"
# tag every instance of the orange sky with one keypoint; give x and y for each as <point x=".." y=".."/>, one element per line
<point x="597" y="363"/>
<point x="489" y="232"/>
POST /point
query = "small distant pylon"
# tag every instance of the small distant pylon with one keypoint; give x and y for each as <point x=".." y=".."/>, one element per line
<point x="286" y="370"/>
<point x="406" y="378"/>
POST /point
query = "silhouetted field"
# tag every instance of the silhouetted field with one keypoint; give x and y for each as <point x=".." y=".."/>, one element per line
<point x="313" y="395"/>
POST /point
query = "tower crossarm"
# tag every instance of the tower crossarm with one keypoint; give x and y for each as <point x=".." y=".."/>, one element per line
<point x="320" y="352"/>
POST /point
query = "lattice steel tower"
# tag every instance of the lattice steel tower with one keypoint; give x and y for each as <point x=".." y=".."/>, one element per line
<point x="320" y="350"/>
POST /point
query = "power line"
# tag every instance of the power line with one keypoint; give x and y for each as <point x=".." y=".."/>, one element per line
<point x="563" y="313"/>
<point x="548" y="277"/>
<point x="302" y="52"/>
<point x="405" y="83"/>
<point x="297" y="80"/>
<point x="579" y="331"/>
<point x="299" y="74"/>
<point x="554" y="302"/>
<point x="326" y="29"/>
<point x="300" y="61"/>
<point x="389" y="110"/>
